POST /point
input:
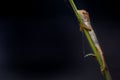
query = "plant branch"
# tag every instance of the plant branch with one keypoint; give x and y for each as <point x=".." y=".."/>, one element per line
<point x="105" y="73"/>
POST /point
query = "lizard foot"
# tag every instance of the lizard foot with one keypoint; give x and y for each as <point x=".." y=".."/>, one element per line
<point x="90" y="54"/>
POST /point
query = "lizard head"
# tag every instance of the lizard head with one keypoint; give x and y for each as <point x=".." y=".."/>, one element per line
<point x="85" y="17"/>
<point x="84" y="14"/>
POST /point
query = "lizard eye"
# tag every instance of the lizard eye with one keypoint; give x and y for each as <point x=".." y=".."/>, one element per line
<point x="84" y="13"/>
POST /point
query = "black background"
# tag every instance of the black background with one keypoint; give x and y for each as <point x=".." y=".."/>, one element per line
<point x="40" y="39"/>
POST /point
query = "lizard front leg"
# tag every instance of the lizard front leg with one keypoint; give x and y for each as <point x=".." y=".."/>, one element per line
<point x="82" y="26"/>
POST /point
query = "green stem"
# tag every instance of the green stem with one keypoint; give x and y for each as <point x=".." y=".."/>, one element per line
<point x="105" y="73"/>
<point x="75" y="10"/>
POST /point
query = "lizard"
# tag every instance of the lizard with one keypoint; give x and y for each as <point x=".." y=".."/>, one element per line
<point x="87" y="25"/>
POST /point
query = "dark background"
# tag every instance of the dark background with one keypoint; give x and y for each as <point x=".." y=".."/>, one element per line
<point x="40" y="40"/>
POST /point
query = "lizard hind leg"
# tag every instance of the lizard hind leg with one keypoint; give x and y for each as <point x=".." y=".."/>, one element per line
<point x="103" y="67"/>
<point x="90" y="54"/>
